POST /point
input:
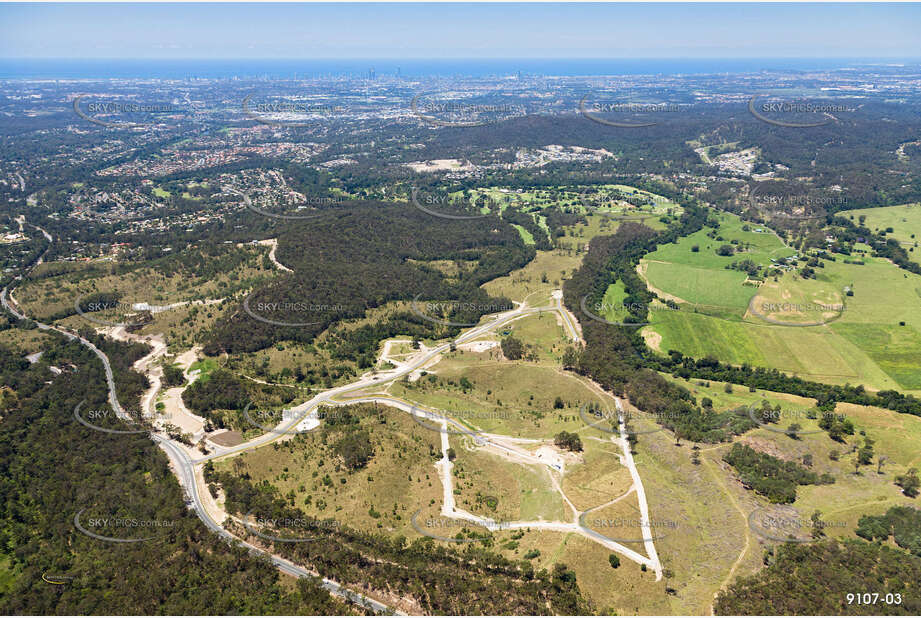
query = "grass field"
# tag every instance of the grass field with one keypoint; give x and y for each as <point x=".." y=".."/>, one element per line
<point x="491" y="486"/>
<point x="537" y="279"/>
<point x="399" y="479"/>
<point x="514" y="399"/>
<point x="700" y="277"/>
<point x="808" y="327"/>
<point x="600" y="478"/>
<point x="852" y="495"/>
<point x="544" y="335"/>
<point x="711" y="509"/>
<point x="904" y="220"/>
<point x="526" y="236"/>
<point x="146" y="284"/>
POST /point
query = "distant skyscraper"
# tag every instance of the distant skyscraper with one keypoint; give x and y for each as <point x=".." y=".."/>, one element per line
<point x="371" y="73"/>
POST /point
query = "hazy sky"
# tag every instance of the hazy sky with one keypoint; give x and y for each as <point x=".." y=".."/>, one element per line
<point x="431" y="31"/>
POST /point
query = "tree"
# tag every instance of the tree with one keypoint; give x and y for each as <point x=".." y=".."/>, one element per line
<point x="570" y="358"/>
<point x="172" y="375"/>
<point x="910" y="483"/>
<point x="569" y="441"/>
<point x="355" y="449"/>
<point x="793" y="430"/>
<point x="614" y="559"/>
<point x="865" y="454"/>
<point x="879" y="463"/>
<point x="512" y="348"/>
<point x="817" y="525"/>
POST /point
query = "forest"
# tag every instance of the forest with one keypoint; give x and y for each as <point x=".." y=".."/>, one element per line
<point x="815" y="579"/>
<point x="770" y="476"/>
<point x="52" y="467"/>
<point x="358" y="258"/>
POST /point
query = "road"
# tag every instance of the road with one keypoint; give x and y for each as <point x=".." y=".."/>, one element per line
<point x="184" y="467"/>
<point x="449" y="508"/>
<point x="640" y="492"/>
<point x="185" y="470"/>
<point x="288" y="427"/>
<point x="568" y="319"/>
<point x="6" y="297"/>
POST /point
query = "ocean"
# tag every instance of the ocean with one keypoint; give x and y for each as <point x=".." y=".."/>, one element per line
<point x="410" y="68"/>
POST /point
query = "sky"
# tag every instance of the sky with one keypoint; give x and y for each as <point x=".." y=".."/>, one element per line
<point x="469" y="31"/>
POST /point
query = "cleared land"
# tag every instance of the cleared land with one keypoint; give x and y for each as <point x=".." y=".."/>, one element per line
<point x="513" y="399"/>
<point x="812" y="328"/>
<point x="309" y="471"/>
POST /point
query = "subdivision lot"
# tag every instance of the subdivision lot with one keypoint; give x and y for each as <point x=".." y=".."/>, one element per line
<point x="309" y="472"/>
<point x="514" y="399"/>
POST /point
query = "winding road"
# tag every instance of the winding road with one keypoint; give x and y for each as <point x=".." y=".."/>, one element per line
<point x="185" y="466"/>
<point x="185" y="470"/>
